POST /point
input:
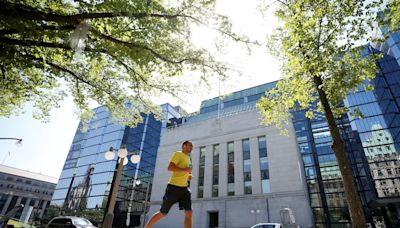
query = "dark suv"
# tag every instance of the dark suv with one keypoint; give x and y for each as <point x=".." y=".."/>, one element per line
<point x="70" y="222"/>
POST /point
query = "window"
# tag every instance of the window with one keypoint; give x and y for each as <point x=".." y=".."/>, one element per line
<point x="201" y="172"/>
<point x="246" y="166"/>
<point x="247" y="187"/>
<point x="262" y="146"/>
<point x="215" y="170"/>
<point x="246" y="149"/>
<point x="231" y="189"/>
<point x="266" y="188"/>
<point x="215" y="190"/>
<point x="231" y="164"/>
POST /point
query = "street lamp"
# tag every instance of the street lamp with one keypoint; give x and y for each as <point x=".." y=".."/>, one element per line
<point x="128" y="214"/>
<point x="109" y="155"/>
<point x="255" y="212"/>
<point x="18" y="143"/>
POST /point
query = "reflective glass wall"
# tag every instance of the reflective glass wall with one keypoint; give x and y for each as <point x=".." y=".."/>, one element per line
<point x="324" y="180"/>
<point x="372" y="145"/>
<point x="86" y="178"/>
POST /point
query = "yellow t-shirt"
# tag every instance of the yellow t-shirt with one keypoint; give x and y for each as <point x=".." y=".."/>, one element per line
<point x="181" y="160"/>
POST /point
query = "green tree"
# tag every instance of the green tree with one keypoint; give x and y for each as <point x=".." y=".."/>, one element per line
<point x="322" y="62"/>
<point x="393" y="16"/>
<point x="109" y="52"/>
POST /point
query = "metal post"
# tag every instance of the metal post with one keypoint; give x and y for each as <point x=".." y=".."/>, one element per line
<point x="108" y="220"/>
<point x="19" y="140"/>
<point x="145" y="205"/>
<point x="128" y="213"/>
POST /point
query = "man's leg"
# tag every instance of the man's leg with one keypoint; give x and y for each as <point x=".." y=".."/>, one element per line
<point x="188" y="219"/>
<point x="155" y="218"/>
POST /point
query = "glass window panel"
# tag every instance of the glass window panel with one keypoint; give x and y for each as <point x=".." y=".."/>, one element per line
<point x="305" y="148"/>
<point x="95" y="132"/>
<point x="93" y="141"/>
<point x="246" y="145"/>
<point x="200" y="192"/>
<point x="315" y="200"/>
<point x="83" y="170"/>
<point x="216" y="154"/>
<point x="99" y="189"/>
<point x="318" y="214"/>
<point x="89" y="150"/>
<point x="116" y="135"/>
<point x="63" y="183"/>
<point x="264" y="174"/>
<point x="336" y="200"/>
<point x="312" y="185"/>
<point x="266" y="188"/>
<point x="310" y="172"/>
<point x="102" y="178"/>
<point x="215" y="190"/>
<point x="60" y="193"/>
<point x="209" y="108"/>
<point x="231" y="189"/>
<point x="230" y="147"/>
<point x="104" y="147"/>
<point x="87" y="160"/>
<point x="67" y="173"/>
<point x="247" y="176"/>
<point x="247" y="187"/>
<point x="231" y="157"/>
<point x="247" y="165"/>
<point x="339" y="215"/>
<point x="263" y="163"/>
<point x="308" y="160"/>
<point x="330" y="172"/>
<point x="233" y="102"/>
<point x="96" y="202"/>
<point x="105" y="167"/>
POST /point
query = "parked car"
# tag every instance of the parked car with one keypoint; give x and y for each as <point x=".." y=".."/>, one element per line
<point x="70" y="222"/>
<point x="267" y="225"/>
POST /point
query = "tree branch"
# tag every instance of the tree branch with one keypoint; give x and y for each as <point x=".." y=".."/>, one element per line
<point x="30" y="43"/>
<point x="137" y="46"/>
<point x="30" y="13"/>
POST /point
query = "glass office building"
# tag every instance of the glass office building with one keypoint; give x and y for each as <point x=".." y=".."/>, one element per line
<point x="87" y="176"/>
<point x="372" y="144"/>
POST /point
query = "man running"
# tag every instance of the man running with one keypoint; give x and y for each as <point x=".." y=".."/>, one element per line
<point x="177" y="190"/>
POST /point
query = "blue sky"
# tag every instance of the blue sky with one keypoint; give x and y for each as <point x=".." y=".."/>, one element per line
<point x="45" y="145"/>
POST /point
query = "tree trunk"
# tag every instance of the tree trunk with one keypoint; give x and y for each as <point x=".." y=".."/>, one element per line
<point x="353" y="200"/>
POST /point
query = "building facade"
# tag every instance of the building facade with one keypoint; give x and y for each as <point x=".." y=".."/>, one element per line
<point x="243" y="173"/>
<point x="372" y="145"/>
<point x="87" y="176"/>
<point x="33" y="190"/>
<point x="227" y="137"/>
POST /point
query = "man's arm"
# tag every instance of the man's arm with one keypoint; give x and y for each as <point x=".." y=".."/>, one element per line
<point x="173" y="168"/>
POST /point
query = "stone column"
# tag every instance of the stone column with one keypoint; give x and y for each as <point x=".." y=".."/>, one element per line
<point x="43" y="208"/>
<point x="223" y="170"/>
<point x="255" y="166"/>
<point x="35" y="208"/>
<point x="208" y="168"/>
<point x="239" y="184"/>
<point x="26" y="212"/>
<point x="4" y="210"/>
<point x="194" y="185"/>
<point x="18" y="200"/>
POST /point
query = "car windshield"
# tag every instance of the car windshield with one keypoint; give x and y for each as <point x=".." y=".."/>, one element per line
<point x="82" y="221"/>
<point x="265" y="226"/>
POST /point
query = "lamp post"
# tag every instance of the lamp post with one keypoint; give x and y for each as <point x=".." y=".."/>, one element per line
<point x="255" y="212"/>
<point x="122" y="154"/>
<point x="18" y="143"/>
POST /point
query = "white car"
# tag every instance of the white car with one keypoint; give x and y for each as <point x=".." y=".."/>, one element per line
<point x="69" y="222"/>
<point x="267" y="225"/>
